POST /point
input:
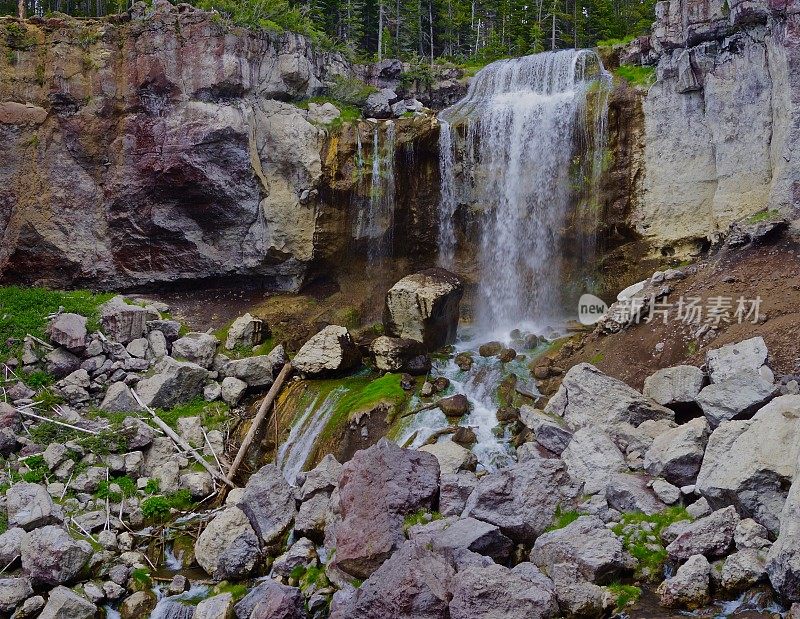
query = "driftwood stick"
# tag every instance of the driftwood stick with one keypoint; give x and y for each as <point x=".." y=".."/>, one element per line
<point x="58" y="423"/>
<point x="259" y="419"/>
<point x="182" y="443"/>
<point x="40" y="341"/>
<point x="211" y="449"/>
<point x="426" y="407"/>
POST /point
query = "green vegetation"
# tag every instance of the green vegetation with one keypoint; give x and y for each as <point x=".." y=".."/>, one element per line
<point x="612" y="42"/>
<point x="595" y="359"/>
<point x="18" y="37"/>
<point x="107" y="441"/>
<point x="364" y="394"/>
<point x="419" y="517"/>
<point x="142" y="578"/>
<point x="766" y="215"/>
<point x="349" y="113"/>
<point x="641" y="535"/>
<point x="127" y="489"/>
<point x="636" y="75"/>
<point x="563" y="519"/>
<point x="625" y="594"/>
<point x="212" y="414"/>
<point x="3" y="521"/>
<point x="237" y="590"/>
<point x="157" y="508"/>
<point x="37" y="469"/>
<point x="24" y="311"/>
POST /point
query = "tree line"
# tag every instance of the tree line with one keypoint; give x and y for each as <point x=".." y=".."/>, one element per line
<point x="464" y="31"/>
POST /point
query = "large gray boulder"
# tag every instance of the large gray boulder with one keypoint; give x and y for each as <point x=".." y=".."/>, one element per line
<point x="750" y="464"/>
<point x="455" y="533"/>
<point x="522" y="499"/>
<point x="592" y="458"/>
<point x="51" y="557"/>
<point x="689" y="588"/>
<point x="586" y="543"/>
<point x="452" y="457"/>
<point x="783" y="564"/>
<point x="228" y="547"/>
<point x="246" y="332"/>
<point x="259" y="370"/>
<point x="63" y="603"/>
<point x="216" y="607"/>
<point x="13" y="592"/>
<point x="119" y="399"/>
<point x="68" y="330"/>
<point x="675" y="385"/>
<point x="173" y="383"/>
<point x="454" y="490"/>
<point x="747" y="357"/>
<point x="271" y="600"/>
<point x="198" y="348"/>
<point x="123" y="322"/>
<point x="587" y="397"/>
<point x="379" y="104"/>
<point x="10" y="545"/>
<point x="627" y="492"/>
<point x="711" y="536"/>
<point x="549" y="430"/>
<point x="677" y="454"/>
<point x="269" y="503"/>
<point x="378" y="488"/>
<point x="424" y="307"/>
<point x="30" y="506"/>
<point x="743" y="569"/>
<point x="391" y="354"/>
<point x="737" y="397"/>
<point x="485" y="592"/>
<point x="330" y="351"/>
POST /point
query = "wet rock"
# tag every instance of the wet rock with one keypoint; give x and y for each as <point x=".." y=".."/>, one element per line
<point x="198" y="348"/>
<point x="119" y="399"/>
<point x="495" y="591"/>
<point x="629" y="493"/>
<point x="378" y="488"/>
<point x="245" y="331"/>
<point x="69" y="331"/>
<point x="13" y="591"/>
<point x="677" y="454"/>
<point x="330" y="351"/>
<point x="259" y="370"/>
<point x="268" y="501"/>
<point x="51" y="557"/>
<point x="548" y="430"/>
<point x="737" y="397"/>
<point x="453" y="533"/>
<point x="424" y="307"/>
<point x="689" y="588"/>
<point x="29" y="506"/>
<point x="454" y="406"/>
<point x="756" y="480"/>
<point x="139" y="604"/>
<point x="711" y="536"/>
<point x="675" y="385"/>
<point x="173" y="383"/>
<point x="232" y="390"/>
<point x="464" y="435"/>
<point x="419" y="365"/>
<point x="507" y="355"/>
<point x="391" y="354"/>
<point x="522" y="499"/>
<point x="451" y="457"/>
<point x="585" y="543"/>
<point x="464" y="361"/>
<point x="62" y="603"/>
<point x="587" y="397"/>
<point x="271" y="600"/>
<point x="592" y="458"/>
<point x="228" y="546"/>
<point x="454" y="491"/>
<point x="490" y="349"/>
<point x="746" y="357"/>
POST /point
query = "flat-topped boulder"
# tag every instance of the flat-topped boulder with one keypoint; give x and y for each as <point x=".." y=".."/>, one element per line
<point x="330" y="351"/>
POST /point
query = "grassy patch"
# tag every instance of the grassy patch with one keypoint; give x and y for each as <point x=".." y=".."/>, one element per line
<point x="348" y="113"/>
<point x="127" y="489"/>
<point x="420" y="517"/>
<point x="157" y="508"/>
<point x="613" y="42"/>
<point x="636" y="75"/>
<point x="767" y="215"/>
<point x="237" y="590"/>
<point x="107" y="441"/>
<point x="563" y="519"/>
<point x="597" y="358"/>
<point x="641" y="535"/>
<point x="624" y="594"/>
<point x="212" y="414"/>
<point x="24" y="311"/>
<point x="3" y="521"/>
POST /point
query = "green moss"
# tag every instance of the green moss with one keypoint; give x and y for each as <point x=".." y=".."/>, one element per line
<point x="597" y="358"/>
<point x="24" y="311"/>
<point x="421" y="516"/>
<point x="348" y="113"/>
<point x="142" y="578"/>
<point x="157" y="508"/>
<point x="126" y="484"/>
<point x="624" y="594"/>
<point x="766" y="215"/>
<point x="641" y="536"/>
<point x="636" y="75"/>
<point x="3" y="521"/>
<point x="212" y="414"/>
<point x="691" y="348"/>
<point x="367" y="395"/>
<point x="313" y="577"/>
<point x="237" y="590"/>
<point x="562" y="519"/>
<point x="613" y="42"/>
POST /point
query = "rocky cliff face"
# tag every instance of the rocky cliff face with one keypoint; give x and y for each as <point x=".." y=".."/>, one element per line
<point x="722" y="121"/>
<point x="160" y="147"/>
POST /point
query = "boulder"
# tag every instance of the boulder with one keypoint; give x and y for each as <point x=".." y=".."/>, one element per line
<point x="257" y="371"/>
<point x="689" y="588"/>
<point x="246" y="332"/>
<point x="577" y="597"/>
<point x="322" y="478"/>
<point x="378" y="488"/>
<point x="330" y="351"/>
<point x="485" y="592"/>
<point x="123" y="322"/>
<point x="392" y="354"/>
<point x="228" y="547"/>
<point x="454" y="490"/>
<point x="549" y="431"/>
<point x="666" y="492"/>
<point x="455" y="406"/>
<point x="746" y="357"/>
<point x="29" y="506"/>
<point x="11" y="545"/>
<point x="711" y="536"/>
<point x="119" y="399"/>
<point x="301" y="554"/>
<point x="677" y="454"/>
<point x="743" y="569"/>
<point x="69" y="331"/>
<point x="13" y="592"/>
<point x="674" y="386"/>
<point x="453" y="533"/>
<point x="452" y="458"/>
<point x="232" y="390"/>
<point x="587" y="397"/>
<point x="63" y="603"/>
<point x="170" y="329"/>
<point x="138" y="604"/>
<point x="216" y="607"/>
<point x="750" y="534"/>
<point x="379" y="104"/>
<point x="198" y="348"/>
<point x="585" y="543"/>
<point x="271" y="600"/>
<point x="173" y="383"/>
<point x="522" y="499"/>
<point x="592" y="458"/>
<point x="783" y="565"/>
<point x="322" y="113"/>
<point x="756" y="480"/>
<point x="60" y="362"/>
<point x="626" y="492"/>
<point x="424" y="307"/>
<point x="51" y="557"/>
<point x="737" y="397"/>
<point x="269" y="503"/>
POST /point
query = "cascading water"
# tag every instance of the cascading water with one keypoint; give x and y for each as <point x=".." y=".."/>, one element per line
<point x="530" y="134"/>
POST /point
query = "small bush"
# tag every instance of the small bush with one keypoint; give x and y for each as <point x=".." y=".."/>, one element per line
<point x="350" y="90"/>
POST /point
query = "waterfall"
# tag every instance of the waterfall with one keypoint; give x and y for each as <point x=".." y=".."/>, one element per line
<point x="529" y="136"/>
